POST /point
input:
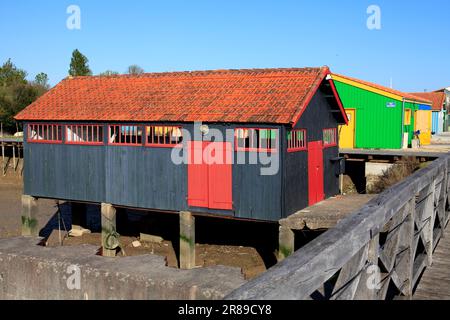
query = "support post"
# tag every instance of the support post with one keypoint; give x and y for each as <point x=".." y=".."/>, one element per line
<point x="410" y="224"/>
<point x="286" y="243"/>
<point x="110" y="238"/>
<point x="187" y="240"/>
<point x="29" y="216"/>
<point x="368" y="287"/>
<point x="429" y="216"/>
<point x="14" y="156"/>
<point x="3" y="159"/>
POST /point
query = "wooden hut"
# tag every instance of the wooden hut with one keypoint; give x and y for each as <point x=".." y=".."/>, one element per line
<point x="380" y="117"/>
<point x="130" y="141"/>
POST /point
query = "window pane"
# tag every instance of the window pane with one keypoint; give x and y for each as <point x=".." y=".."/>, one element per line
<point x="44" y="133"/>
<point x="163" y="135"/>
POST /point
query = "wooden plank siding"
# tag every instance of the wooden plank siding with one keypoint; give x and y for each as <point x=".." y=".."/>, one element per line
<point x="296" y="163"/>
<point x="142" y="177"/>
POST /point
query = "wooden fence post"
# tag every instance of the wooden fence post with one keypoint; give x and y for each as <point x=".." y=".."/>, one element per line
<point x="429" y="216"/>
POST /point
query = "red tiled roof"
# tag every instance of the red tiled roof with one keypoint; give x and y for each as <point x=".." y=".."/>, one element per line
<point x="256" y="96"/>
<point x="438" y="98"/>
<point x="405" y="95"/>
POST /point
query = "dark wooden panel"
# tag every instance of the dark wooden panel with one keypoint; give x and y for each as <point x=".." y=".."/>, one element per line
<point x="316" y="117"/>
<point x="61" y="172"/>
<point x="141" y="177"/>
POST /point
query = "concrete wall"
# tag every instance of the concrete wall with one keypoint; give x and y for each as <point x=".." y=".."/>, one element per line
<point x="28" y="271"/>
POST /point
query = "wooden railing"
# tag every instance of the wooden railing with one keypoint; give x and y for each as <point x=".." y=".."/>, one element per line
<point x="379" y="252"/>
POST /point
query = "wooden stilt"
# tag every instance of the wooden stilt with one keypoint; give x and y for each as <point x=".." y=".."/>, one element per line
<point x="29" y="216"/>
<point x="110" y="238"/>
<point x="14" y="156"/>
<point x="187" y="240"/>
<point x="3" y="159"/>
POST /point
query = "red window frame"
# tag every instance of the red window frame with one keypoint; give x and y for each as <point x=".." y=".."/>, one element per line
<point x="333" y="135"/>
<point x="160" y="141"/>
<point x="131" y="136"/>
<point x="40" y="128"/>
<point x="294" y="144"/>
<point x="258" y="148"/>
<point x="97" y="129"/>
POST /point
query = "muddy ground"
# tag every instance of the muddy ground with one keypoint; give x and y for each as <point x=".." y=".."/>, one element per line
<point x="11" y="190"/>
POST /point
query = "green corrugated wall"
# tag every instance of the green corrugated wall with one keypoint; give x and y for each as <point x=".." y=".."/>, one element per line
<point x="377" y="126"/>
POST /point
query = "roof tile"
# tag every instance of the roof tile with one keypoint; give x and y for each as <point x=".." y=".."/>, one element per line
<point x="438" y="98"/>
<point x="255" y="95"/>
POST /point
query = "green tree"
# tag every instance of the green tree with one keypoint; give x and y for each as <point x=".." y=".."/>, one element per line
<point x="22" y="96"/>
<point x="16" y="92"/>
<point x="41" y="79"/>
<point x="10" y="74"/>
<point x="134" y="69"/>
<point x="79" y="65"/>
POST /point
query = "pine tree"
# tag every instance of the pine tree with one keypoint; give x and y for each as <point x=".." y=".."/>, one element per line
<point x="79" y="65"/>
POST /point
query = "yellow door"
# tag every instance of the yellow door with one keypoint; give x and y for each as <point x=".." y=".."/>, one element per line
<point x="347" y="133"/>
<point x="423" y="123"/>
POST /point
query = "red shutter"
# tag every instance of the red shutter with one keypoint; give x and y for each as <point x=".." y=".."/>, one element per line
<point x="315" y="172"/>
<point x="209" y="181"/>
<point x="197" y="176"/>
<point x="220" y="178"/>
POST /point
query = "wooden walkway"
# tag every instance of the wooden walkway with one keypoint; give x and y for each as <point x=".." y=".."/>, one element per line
<point x="435" y="283"/>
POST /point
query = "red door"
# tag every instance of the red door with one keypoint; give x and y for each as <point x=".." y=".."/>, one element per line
<point x="210" y="175"/>
<point x="315" y="172"/>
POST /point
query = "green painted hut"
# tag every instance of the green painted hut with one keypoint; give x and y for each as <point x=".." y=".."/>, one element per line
<point x="380" y="117"/>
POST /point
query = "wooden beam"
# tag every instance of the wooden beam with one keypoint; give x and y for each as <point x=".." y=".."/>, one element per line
<point x="14" y="157"/>
<point x="110" y="238"/>
<point x="29" y="216"/>
<point x="187" y="240"/>
<point x="3" y="159"/>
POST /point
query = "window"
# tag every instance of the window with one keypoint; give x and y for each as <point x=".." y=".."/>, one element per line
<point x="125" y="135"/>
<point x="296" y="140"/>
<point x="330" y="137"/>
<point x="45" y="133"/>
<point x="256" y="139"/>
<point x="163" y="136"/>
<point x="407" y="117"/>
<point x="84" y="134"/>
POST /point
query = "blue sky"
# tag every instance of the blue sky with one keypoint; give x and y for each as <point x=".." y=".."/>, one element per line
<point x="412" y="47"/>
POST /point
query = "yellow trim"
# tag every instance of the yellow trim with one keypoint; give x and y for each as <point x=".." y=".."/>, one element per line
<point x="366" y="87"/>
<point x="408" y="114"/>
<point x="347" y="132"/>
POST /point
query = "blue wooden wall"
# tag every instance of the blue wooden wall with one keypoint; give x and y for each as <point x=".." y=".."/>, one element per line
<point x="316" y="117"/>
<point x="141" y="177"/>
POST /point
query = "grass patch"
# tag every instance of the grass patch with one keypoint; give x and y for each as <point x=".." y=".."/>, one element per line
<point x="401" y="170"/>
